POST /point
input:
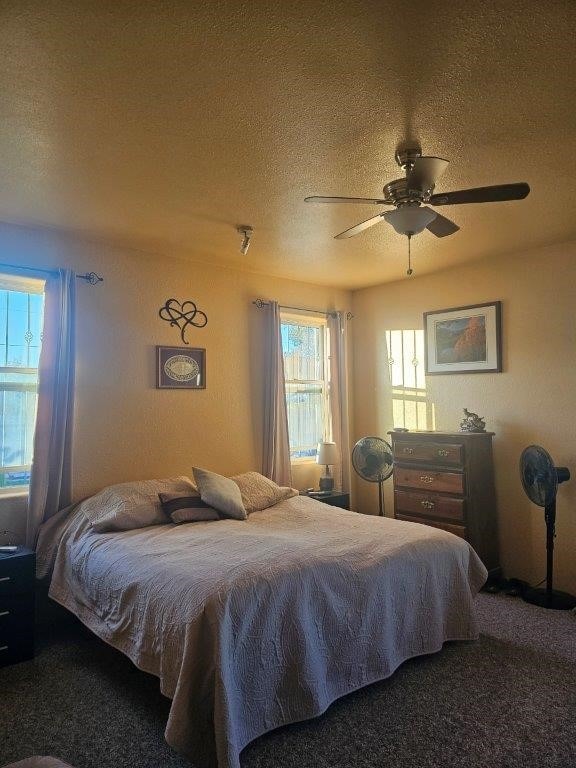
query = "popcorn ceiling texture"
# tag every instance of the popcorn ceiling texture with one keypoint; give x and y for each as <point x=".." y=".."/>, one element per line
<point x="166" y="125"/>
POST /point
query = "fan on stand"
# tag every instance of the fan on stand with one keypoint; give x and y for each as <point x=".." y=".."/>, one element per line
<point x="372" y="459"/>
<point x="540" y="479"/>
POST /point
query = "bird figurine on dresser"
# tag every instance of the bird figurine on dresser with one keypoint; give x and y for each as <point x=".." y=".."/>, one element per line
<point x="472" y="422"/>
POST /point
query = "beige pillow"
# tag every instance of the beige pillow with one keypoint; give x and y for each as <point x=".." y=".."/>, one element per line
<point x="187" y="507"/>
<point x="126" y="506"/>
<point x="259" y="492"/>
<point x="220" y="492"/>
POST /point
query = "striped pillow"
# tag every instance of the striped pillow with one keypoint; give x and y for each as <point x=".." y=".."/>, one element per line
<point x="187" y="507"/>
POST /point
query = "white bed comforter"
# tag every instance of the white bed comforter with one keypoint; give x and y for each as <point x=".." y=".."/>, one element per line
<point x="254" y="624"/>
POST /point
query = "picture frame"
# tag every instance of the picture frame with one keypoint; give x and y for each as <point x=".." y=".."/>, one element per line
<point x="464" y="339"/>
<point x="180" y="368"/>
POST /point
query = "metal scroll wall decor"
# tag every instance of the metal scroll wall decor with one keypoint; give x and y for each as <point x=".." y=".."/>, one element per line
<point x="183" y="315"/>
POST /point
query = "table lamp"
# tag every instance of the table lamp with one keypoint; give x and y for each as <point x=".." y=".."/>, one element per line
<point x="327" y="455"/>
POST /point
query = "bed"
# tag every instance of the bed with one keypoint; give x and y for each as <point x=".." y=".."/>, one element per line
<point x="253" y="624"/>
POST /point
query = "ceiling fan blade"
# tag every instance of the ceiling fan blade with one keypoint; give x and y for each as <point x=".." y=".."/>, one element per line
<point x="495" y="194"/>
<point x="425" y="173"/>
<point x="316" y="199"/>
<point x="441" y="226"/>
<point x="359" y="227"/>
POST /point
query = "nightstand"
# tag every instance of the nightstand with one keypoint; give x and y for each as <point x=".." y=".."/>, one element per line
<point x="334" y="498"/>
<point x="17" y="606"/>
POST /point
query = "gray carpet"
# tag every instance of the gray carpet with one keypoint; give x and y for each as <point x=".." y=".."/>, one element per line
<point x="508" y="700"/>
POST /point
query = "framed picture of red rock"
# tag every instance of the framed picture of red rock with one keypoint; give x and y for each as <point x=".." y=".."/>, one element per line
<point x="464" y="339"/>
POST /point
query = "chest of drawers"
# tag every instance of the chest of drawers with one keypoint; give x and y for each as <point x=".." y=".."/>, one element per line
<point x="16" y="606"/>
<point x="446" y="480"/>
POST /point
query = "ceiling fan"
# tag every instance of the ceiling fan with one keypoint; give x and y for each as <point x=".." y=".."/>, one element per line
<point x="408" y="194"/>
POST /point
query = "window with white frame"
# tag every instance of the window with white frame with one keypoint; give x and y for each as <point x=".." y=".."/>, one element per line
<point x="21" y="318"/>
<point x="305" y="352"/>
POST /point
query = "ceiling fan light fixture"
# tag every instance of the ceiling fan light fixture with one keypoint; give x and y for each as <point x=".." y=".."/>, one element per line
<point x="410" y="219"/>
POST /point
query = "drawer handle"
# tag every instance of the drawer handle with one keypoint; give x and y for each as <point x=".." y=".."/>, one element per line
<point x="5" y="578"/>
<point x="427" y="504"/>
<point x="426" y="479"/>
<point x="443" y="452"/>
<point x="408" y="450"/>
<point x="3" y="647"/>
<point x="4" y="613"/>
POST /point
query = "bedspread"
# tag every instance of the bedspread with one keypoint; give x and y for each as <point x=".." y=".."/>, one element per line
<point x="250" y="625"/>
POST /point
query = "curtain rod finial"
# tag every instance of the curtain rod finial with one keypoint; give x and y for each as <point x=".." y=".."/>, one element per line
<point x="91" y="277"/>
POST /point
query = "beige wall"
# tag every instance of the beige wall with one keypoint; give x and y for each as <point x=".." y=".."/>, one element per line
<point x="532" y="401"/>
<point x="125" y="428"/>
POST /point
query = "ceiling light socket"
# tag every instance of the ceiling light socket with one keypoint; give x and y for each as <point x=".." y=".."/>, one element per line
<point x="246" y="231"/>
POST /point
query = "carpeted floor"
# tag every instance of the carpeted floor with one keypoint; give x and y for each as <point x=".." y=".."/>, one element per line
<point x="508" y="700"/>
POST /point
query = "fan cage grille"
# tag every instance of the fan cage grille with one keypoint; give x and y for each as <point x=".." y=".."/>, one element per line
<point x="372" y="459"/>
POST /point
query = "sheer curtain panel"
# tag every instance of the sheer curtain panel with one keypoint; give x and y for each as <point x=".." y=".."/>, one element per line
<point x="50" y="482"/>
<point x="276" y="457"/>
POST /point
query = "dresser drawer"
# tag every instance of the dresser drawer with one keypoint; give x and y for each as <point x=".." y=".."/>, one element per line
<point x="17" y="595"/>
<point x="18" y="649"/>
<point x="16" y="616"/>
<point x="435" y="453"/>
<point x="458" y="530"/>
<point x="444" y="482"/>
<point x="16" y="575"/>
<point x="429" y="505"/>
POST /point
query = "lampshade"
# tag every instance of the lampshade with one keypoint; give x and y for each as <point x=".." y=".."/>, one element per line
<point x="327" y="453"/>
<point x="410" y="219"/>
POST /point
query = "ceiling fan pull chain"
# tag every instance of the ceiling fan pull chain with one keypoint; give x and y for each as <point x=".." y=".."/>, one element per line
<point x="409" y="270"/>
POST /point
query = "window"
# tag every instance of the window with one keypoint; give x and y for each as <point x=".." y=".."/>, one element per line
<point x="305" y="351"/>
<point x="411" y="407"/>
<point x="21" y="318"/>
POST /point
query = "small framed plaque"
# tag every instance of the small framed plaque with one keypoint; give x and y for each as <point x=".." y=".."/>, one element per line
<point x="180" y="368"/>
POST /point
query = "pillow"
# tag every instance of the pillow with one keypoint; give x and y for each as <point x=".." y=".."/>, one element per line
<point x="186" y="507"/>
<point x="221" y="493"/>
<point x="126" y="506"/>
<point x="259" y="492"/>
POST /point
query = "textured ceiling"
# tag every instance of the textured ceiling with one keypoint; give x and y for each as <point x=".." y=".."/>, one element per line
<point x="167" y="124"/>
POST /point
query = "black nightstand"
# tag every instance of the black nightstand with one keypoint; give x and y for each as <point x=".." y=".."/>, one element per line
<point x="334" y="498"/>
<point x="17" y="606"/>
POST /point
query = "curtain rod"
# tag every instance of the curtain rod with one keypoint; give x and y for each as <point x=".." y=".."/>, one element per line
<point x="263" y="303"/>
<point x="89" y="277"/>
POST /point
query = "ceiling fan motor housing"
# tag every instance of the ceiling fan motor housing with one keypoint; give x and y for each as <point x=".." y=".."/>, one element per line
<point x="398" y="193"/>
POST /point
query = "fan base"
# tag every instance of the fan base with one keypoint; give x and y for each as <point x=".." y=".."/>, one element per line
<point x="559" y="601"/>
